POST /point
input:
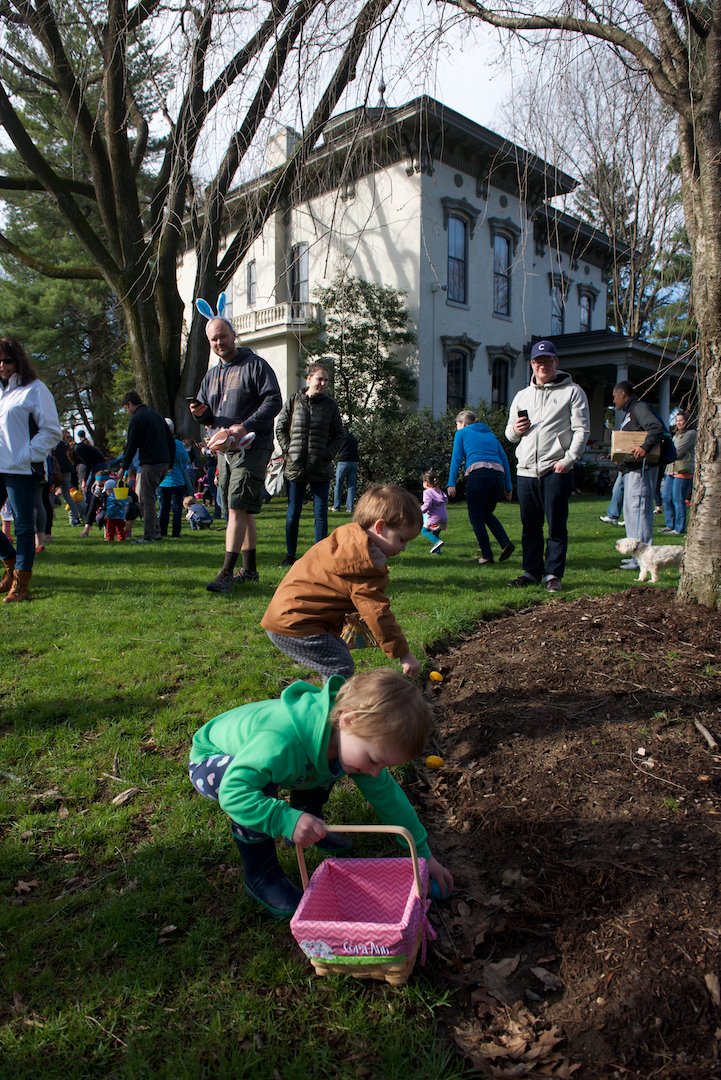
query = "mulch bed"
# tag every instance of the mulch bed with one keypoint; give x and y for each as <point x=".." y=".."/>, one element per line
<point x="580" y="811"/>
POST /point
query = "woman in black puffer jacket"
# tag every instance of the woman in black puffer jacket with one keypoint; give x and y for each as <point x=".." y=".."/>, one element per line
<point x="309" y="431"/>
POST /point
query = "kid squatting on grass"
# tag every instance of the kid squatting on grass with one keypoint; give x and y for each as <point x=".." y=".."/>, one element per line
<point x="344" y="574"/>
<point x="305" y="741"/>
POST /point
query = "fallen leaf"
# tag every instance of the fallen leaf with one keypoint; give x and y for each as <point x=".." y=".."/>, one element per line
<point x="713" y="987"/>
<point x="125" y="796"/>
<point x="549" y="980"/>
<point x="63" y="812"/>
<point x="166" y="933"/>
<point x="22" y="887"/>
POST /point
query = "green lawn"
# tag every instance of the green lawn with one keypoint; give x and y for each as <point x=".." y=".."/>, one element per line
<point x="127" y="946"/>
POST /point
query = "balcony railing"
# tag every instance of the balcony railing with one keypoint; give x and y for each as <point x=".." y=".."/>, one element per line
<point x="293" y="315"/>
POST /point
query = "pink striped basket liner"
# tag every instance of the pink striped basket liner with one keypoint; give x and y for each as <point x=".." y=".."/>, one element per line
<point x="365" y="916"/>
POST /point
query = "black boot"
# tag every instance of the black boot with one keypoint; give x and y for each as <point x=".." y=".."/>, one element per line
<point x="264" y="880"/>
<point x="312" y="801"/>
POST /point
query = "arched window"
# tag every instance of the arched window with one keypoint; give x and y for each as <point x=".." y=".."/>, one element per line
<point x="457" y="259"/>
<point x="585" y="313"/>
<point x="587" y="296"/>
<point x="505" y="235"/>
<point x="457" y="379"/>
<point x="501" y="275"/>
<point x="298" y="274"/>
<point x="559" y="285"/>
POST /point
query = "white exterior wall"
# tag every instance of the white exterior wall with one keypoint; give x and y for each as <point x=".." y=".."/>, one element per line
<point x="389" y="229"/>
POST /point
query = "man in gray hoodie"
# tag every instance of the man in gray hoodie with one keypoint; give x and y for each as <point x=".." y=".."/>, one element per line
<point x="549" y="423"/>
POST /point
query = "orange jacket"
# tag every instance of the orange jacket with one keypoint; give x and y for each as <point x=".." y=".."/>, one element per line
<point x="335" y="578"/>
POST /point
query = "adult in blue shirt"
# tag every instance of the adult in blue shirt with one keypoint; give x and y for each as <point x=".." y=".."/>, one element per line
<point x="488" y="478"/>
<point x="174" y="487"/>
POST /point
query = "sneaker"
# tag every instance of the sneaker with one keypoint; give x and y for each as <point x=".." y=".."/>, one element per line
<point x="608" y="520"/>
<point x="484" y="562"/>
<point x="141" y="540"/>
<point x="666" y="531"/>
<point x="521" y="582"/>
<point x="222" y="584"/>
<point x="553" y="584"/>
<point x="436" y="549"/>
<point x="622" y="523"/>
<point x="246" y="577"/>
<point x="629" y="564"/>
<point x="287" y="561"/>
<point x="507" y="552"/>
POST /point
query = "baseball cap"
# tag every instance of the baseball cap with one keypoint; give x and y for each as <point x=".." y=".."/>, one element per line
<point x="544" y="349"/>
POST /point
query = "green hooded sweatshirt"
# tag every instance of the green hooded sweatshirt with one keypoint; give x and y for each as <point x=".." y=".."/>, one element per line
<point x="285" y="742"/>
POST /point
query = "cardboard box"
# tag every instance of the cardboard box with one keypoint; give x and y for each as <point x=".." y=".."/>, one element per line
<point x="623" y="442"/>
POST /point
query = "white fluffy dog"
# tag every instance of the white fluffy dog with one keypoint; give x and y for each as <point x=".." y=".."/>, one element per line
<point x="649" y="557"/>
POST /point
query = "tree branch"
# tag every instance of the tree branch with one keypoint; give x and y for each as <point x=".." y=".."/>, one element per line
<point x="678" y="97"/>
<point x="72" y="273"/>
<point x="28" y="183"/>
<point x="42" y="170"/>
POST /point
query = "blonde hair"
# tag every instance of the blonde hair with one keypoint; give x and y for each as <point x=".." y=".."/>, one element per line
<point x="189" y="500"/>
<point x="386" y="707"/>
<point x="391" y="504"/>
<point x="466" y="416"/>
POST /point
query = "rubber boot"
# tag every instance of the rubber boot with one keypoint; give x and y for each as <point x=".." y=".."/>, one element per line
<point x="312" y="801"/>
<point x="7" y="578"/>
<point x="19" y="587"/>
<point x="264" y="881"/>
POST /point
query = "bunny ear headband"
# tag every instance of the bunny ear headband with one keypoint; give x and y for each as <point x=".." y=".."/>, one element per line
<point x="207" y="312"/>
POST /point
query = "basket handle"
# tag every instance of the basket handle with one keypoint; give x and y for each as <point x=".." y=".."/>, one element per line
<point x="397" y="829"/>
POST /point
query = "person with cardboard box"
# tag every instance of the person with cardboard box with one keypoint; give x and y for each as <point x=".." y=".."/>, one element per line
<point x="639" y="465"/>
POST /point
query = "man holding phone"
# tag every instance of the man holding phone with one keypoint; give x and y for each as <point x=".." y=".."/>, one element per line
<point x="549" y="424"/>
<point x="238" y="398"/>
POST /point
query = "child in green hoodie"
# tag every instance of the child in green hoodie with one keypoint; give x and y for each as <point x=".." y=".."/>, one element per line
<point x="305" y="741"/>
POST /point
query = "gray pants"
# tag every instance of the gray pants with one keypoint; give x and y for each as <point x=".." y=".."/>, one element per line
<point x="639" y="486"/>
<point x="152" y="475"/>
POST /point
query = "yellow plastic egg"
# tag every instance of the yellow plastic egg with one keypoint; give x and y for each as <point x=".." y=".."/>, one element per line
<point x="435" y="676"/>
<point x="434" y="762"/>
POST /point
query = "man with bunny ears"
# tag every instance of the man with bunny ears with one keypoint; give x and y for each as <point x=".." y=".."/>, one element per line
<point x="238" y="400"/>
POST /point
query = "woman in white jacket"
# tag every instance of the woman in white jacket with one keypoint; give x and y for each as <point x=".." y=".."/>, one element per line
<point x="29" y="430"/>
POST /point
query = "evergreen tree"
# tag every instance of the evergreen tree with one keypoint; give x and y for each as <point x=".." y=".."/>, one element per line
<point x="365" y="340"/>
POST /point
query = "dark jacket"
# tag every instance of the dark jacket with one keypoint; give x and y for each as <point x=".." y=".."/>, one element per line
<point x="242" y="391"/>
<point x="641" y="417"/>
<point x="151" y="437"/>
<point x="349" y="448"/>
<point x="88" y="455"/>
<point x="310" y="433"/>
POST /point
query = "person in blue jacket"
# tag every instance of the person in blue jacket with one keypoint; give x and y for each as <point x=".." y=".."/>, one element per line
<point x="488" y="479"/>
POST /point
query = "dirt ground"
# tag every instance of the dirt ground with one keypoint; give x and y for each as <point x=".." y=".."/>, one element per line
<point x="580" y="810"/>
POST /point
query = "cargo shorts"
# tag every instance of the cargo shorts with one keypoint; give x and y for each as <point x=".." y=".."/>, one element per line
<point x="241" y="479"/>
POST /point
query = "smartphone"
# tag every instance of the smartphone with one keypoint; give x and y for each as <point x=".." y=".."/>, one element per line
<point x="523" y="414"/>
<point x="192" y="400"/>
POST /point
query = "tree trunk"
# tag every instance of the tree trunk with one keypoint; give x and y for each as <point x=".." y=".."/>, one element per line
<point x="700" y="156"/>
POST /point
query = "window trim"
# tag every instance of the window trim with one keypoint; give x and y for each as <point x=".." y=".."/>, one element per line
<point x="251" y="283"/>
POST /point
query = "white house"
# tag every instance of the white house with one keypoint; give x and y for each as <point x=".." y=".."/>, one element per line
<point x="423" y="199"/>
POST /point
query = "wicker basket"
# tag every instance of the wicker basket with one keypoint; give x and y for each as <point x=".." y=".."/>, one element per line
<point x="364" y="917"/>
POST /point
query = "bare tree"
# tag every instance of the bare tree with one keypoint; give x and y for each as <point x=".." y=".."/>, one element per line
<point x="677" y="47"/>
<point x="592" y="115"/>
<point x="104" y="67"/>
